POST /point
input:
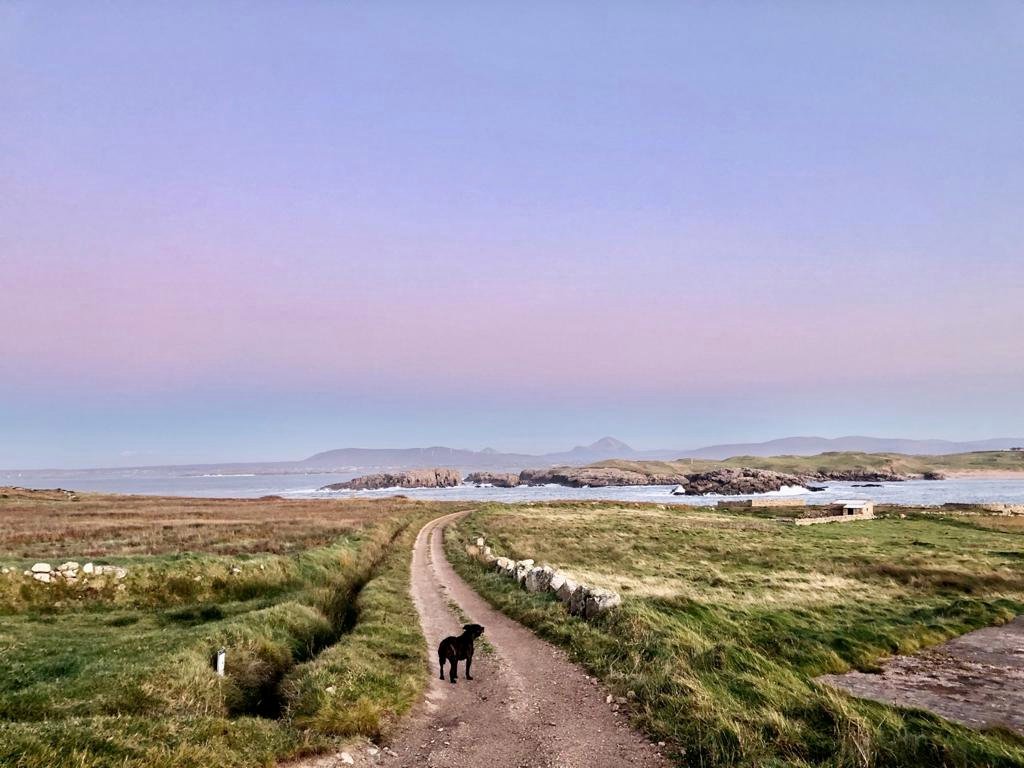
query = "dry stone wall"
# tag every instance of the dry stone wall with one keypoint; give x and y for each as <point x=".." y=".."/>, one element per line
<point x="579" y="599"/>
<point x="70" y="572"/>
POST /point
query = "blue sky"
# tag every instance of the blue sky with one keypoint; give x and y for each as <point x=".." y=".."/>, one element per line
<point x="252" y="230"/>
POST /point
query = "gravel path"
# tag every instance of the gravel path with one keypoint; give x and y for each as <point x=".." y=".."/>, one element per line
<point x="527" y="706"/>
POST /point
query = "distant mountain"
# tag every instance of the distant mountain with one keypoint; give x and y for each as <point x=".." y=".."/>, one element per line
<point x="412" y="458"/>
<point x="354" y="461"/>
<point x="488" y="458"/>
<point x="810" y="446"/>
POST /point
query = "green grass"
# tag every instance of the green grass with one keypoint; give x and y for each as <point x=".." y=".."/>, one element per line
<point x="322" y="645"/>
<point x="1005" y="461"/>
<point x="727" y="618"/>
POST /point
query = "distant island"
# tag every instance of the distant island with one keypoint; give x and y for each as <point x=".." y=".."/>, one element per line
<point x="364" y="461"/>
<point x="738" y="475"/>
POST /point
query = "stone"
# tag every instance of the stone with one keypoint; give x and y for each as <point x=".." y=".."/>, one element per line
<point x="567" y="589"/>
<point x="347" y="759"/>
<point x="88" y="568"/>
<point x="70" y="565"/>
<point x="598" y="601"/>
<point x="41" y="568"/>
<point x="504" y="565"/>
<point x="41" y="576"/>
<point x="120" y="573"/>
<point x="578" y="601"/>
<point x="522" y="568"/>
<point x="480" y="542"/>
<point x="556" y="581"/>
<point x="537" y="579"/>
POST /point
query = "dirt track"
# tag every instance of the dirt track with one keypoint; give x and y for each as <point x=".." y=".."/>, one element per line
<point x="527" y="706"/>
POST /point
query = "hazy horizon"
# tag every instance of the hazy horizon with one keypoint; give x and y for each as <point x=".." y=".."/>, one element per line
<point x="245" y="233"/>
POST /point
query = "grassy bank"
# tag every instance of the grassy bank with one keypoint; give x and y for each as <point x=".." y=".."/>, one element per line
<point x="309" y="599"/>
<point x="727" y="619"/>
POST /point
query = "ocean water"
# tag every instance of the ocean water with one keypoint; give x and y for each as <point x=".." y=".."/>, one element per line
<point x="161" y="483"/>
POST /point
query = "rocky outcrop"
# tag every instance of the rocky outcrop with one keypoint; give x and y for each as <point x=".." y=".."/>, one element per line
<point x="861" y="476"/>
<point x="413" y="478"/>
<point x="738" y="482"/>
<point x="596" y="477"/>
<point x="497" y="479"/>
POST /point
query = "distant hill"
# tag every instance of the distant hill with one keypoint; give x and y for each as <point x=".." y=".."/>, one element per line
<point x="837" y="461"/>
<point x="810" y="446"/>
<point x="363" y="460"/>
<point x="488" y="458"/>
<point x="612" y="448"/>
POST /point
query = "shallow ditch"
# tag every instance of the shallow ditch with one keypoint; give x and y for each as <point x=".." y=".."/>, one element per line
<point x="259" y="682"/>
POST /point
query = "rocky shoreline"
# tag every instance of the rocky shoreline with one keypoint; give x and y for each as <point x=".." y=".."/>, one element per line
<point x="437" y="477"/>
<point x="728" y="481"/>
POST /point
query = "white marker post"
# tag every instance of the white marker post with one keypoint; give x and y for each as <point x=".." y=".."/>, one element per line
<point x="221" y="654"/>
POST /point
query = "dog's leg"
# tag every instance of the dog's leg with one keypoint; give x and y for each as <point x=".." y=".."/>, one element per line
<point x="469" y="663"/>
<point x="440" y="662"/>
<point x="453" y="670"/>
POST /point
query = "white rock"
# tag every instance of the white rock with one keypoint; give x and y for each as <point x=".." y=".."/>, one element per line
<point x="480" y="542"/>
<point x="120" y="573"/>
<point x="522" y="568"/>
<point x="70" y="565"/>
<point x="41" y="568"/>
<point x="537" y="579"/>
<point x="88" y="568"/>
<point x="346" y="758"/>
<point x="43" y="577"/>
<point x="556" y="581"/>
<point x="599" y="601"/>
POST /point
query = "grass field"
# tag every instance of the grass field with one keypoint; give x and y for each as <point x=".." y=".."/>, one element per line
<point x="980" y="461"/>
<point x="309" y="598"/>
<point x="727" y="619"/>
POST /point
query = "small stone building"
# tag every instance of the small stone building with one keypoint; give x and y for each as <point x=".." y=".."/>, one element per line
<point x="861" y="507"/>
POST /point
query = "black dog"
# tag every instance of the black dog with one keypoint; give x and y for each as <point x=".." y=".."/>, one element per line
<point x="455" y="649"/>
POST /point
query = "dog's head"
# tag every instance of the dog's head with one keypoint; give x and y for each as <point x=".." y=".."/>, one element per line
<point x="473" y="630"/>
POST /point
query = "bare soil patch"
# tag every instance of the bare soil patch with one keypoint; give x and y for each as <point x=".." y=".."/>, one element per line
<point x="976" y="679"/>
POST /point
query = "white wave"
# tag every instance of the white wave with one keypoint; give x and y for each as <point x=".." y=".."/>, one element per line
<point x="788" y="490"/>
<point x="251" y="474"/>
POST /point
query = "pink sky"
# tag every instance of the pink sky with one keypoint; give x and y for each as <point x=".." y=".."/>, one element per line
<point x="375" y="225"/>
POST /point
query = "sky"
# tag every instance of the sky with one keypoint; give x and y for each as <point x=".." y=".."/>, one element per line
<point x="246" y="231"/>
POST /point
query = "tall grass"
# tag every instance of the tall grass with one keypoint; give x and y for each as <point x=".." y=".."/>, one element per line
<point x="723" y="670"/>
<point x="322" y="645"/>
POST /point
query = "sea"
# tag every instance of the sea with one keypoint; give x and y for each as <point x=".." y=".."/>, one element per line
<point x="306" y="486"/>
